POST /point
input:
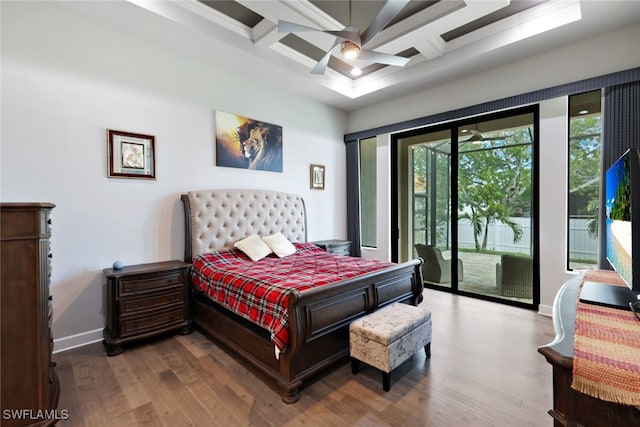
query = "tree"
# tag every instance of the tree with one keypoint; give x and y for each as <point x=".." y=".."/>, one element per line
<point x="494" y="184"/>
<point x="584" y="169"/>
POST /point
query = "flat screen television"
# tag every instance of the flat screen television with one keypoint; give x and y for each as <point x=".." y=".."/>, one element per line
<point x="622" y="234"/>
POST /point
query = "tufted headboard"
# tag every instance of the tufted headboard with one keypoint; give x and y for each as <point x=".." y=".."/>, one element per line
<point x="216" y="219"/>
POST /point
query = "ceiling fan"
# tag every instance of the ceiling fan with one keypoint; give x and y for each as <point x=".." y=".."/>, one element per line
<point x="352" y="42"/>
<point x="477" y="137"/>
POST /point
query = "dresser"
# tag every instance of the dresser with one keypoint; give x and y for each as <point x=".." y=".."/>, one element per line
<point x="29" y="381"/>
<point x="146" y="300"/>
<point x="341" y="247"/>
<point x="570" y="407"/>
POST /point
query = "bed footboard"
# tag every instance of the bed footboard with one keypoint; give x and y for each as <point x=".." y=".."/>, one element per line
<point x="319" y="319"/>
<point x="318" y="324"/>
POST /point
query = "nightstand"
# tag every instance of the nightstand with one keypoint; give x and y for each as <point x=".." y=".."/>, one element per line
<point x="146" y="300"/>
<point x="340" y="247"/>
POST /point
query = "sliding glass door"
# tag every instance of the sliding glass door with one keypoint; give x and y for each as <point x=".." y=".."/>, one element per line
<point x="464" y="201"/>
<point x="425" y="192"/>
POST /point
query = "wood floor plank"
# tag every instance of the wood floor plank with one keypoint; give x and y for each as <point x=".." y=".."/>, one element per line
<point x="484" y="371"/>
<point x="128" y="378"/>
<point x="147" y="415"/>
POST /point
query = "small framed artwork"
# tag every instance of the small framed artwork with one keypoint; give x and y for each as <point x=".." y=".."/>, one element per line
<point x="130" y="155"/>
<point x="317" y="177"/>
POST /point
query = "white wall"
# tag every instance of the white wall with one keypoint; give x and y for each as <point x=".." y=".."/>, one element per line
<point x="554" y="210"/>
<point x="66" y="79"/>
<point x="589" y="58"/>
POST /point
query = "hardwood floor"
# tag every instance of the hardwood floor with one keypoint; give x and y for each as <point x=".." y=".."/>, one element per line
<point x="484" y="371"/>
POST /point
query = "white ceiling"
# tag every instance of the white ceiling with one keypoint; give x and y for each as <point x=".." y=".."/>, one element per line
<point x="450" y="38"/>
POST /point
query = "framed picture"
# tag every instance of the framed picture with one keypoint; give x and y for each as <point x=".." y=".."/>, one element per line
<point x="130" y="155"/>
<point x="246" y="143"/>
<point x="317" y="177"/>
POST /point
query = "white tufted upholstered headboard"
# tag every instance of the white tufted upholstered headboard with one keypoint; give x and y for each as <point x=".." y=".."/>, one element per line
<point x="216" y="219"/>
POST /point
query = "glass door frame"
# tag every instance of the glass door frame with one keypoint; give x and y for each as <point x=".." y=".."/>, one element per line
<point x="453" y="127"/>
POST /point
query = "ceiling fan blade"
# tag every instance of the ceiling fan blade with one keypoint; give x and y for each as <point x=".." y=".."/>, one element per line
<point x="383" y="58"/>
<point x="321" y="66"/>
<point x="350" y="33"/>
<point x="390" y="9"/>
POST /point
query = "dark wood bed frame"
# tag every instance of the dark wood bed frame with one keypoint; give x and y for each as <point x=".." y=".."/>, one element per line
<point x="318" y="319"/>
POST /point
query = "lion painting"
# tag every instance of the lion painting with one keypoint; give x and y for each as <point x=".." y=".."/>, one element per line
<point x="246" y="143"/>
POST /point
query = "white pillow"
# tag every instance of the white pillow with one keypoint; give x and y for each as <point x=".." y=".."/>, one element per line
<point x="253" y="247"/>
<point x="280" y="245"/>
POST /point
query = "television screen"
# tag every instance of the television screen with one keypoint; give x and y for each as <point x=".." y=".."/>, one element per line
<point x="618" y="180"/>
<point x="622" y="233"/>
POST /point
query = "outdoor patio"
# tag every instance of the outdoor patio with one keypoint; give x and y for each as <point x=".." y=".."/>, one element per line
<point x="480" y="273"/>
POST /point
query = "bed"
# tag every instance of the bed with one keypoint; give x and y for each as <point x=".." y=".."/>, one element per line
<point x="318" y="318"/>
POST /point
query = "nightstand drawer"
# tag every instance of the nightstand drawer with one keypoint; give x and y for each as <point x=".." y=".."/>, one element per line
<point x="339" y="247"/>
<point x="163" y="300"/>
<point x="133" y="285"/>
<point x="141" y="324"/>
<point x="339" y="250"/>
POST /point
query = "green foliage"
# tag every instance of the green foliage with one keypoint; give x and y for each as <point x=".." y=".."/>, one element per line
<point x="494" y="185"/>
<point x="593" y="207"/>
<point x="584" y="169"/>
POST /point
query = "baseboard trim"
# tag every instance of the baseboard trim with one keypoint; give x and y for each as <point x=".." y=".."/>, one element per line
<point x="545" y="310"/>
<point x="90" y="337"/>
<point x="77" y="340"/>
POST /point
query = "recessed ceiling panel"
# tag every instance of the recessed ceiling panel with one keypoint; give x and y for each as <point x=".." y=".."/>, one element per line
<point x="235" y="10"/>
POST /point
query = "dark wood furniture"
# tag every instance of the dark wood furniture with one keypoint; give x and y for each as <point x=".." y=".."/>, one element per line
<point x="29" y="381"/>
<point x="570" y="407"/>
<point x="318" y="318"/>
<point x="146" y="300"/>
<point x="341" y="247"/>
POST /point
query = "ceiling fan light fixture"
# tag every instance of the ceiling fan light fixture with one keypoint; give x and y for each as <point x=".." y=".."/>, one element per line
<point x="349" y="49"/>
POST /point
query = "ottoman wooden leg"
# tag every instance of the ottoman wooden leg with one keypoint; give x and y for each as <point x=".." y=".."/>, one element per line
<point x="427" y="350"/>
<point x="355" y="365"/>
<point x="386" y="381"/>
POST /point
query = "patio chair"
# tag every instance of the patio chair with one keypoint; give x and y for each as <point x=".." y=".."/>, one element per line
<point x="435" y="267"/>
<point x="514" y="276"/>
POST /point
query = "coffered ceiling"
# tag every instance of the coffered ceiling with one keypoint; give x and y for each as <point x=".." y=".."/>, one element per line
<point x="443" y="40"/>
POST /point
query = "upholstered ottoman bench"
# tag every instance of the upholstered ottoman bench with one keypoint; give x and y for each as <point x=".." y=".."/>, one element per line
<point x="389" y="336"/>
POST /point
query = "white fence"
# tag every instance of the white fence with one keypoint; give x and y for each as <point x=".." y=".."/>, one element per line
<point x="582" y="245"/>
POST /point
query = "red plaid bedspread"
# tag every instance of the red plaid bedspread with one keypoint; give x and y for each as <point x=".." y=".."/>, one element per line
<point x="258" y="291"/>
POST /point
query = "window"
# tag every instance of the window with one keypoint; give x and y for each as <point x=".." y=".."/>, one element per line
<point x="368" y="199"/>
<point x="584" y="179"/>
